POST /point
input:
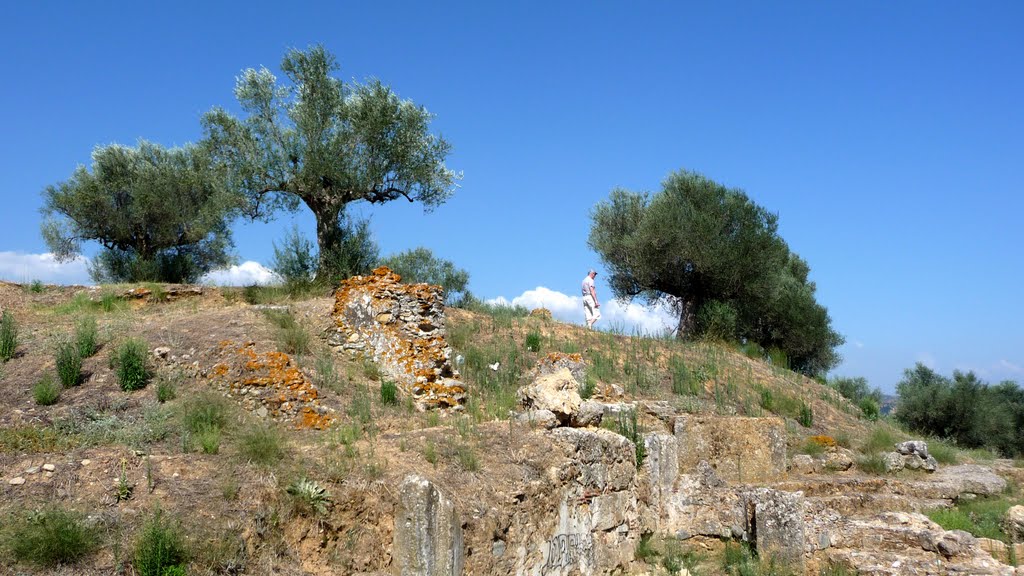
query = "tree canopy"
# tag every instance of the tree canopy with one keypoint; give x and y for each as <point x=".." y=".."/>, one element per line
<point x="420" y="265"/>
<point x="324" y="143"/>
<point x="161" y="214"/>
<point x="716" y="257"/>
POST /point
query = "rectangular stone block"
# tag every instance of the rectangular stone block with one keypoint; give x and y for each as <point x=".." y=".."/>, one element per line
<point x="740" y="449"/>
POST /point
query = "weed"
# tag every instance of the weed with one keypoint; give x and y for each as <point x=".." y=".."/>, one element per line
<point x="124" y="488"/>
<point x="167" y="386"/>
<point x="588" y="387"/>
<point x="388" y="393"/>
<point x="466" y="456"/>
<point x="806" y="418"/>
<point x="327" y="375"/>
<point x="872" y="463"/>
<point x="533" y="341"/>
<point x="51" y="537"/>
<point x="230" y="488"/>
<point x="69" y="363"/>
<point x="209" y="440"/>
<point x="359" y="409"/>
<point x="645" y="551"/>
<point x="837" y="570"/>
<point x="311" y="497"/>
<point x="430" y="453"/>
<point x="983" y="517"/>
<point x="205" y="412"/>
<point x="132" y="373"/>
<point x="46" y="392"/>
<point x="262" y="445"/>
<point x="37" y="440"/>
<point x="370" y="369"/>
<point x="8" y="336"/>
<point x="880" y="439"/>
<point x="943" y="452"/>
<point x="291" y="337"/>
<point x="36" y="287"/>
<point x="160" y="549"/>
<point x="86" y="339"/>
<point x="627" y="425"/>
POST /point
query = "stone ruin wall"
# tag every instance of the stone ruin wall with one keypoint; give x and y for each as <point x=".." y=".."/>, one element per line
<point x="402" y="328"/>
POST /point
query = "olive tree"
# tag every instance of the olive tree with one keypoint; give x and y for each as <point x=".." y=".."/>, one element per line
<point x="716" y="257"/>
<point x="160" y="213"/>
<point x="323" y="143"/>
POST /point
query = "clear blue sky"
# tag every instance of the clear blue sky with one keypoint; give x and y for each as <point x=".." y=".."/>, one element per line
<point x="886" y="136"/>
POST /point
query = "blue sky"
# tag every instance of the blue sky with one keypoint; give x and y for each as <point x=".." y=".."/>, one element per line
<point x="886" y="136"/>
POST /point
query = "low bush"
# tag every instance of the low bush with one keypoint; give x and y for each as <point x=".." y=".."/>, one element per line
<point x="130" y="365"/>
<point x="46" y="392"/>
<point x="50" y="537"/>
<point x="533" y="341"/>
<point x="69" y="363"/>
<point x="86" y="338"/>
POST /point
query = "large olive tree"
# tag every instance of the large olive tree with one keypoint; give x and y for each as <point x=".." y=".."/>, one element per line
<point x="324" y="143"/>
<point x="717" y="258"/>
<point x="161" y="214"/>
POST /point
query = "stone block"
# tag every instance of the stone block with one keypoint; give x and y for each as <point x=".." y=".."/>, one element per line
<point x="740" y="449"/>
<point x="428" y="533"/>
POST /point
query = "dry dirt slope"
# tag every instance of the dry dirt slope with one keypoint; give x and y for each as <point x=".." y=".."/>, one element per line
<point x="116" y="457"/>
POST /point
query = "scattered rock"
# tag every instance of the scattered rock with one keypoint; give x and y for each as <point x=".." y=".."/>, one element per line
<point x="86" y="462"/>
<point x="32" y="470"/>
<point x="892" y="461"/>
<point x="910" y="447"/>
<point x="161" y="353"/>
<point x="49" y="467"/>
<point x="16" y="481"/>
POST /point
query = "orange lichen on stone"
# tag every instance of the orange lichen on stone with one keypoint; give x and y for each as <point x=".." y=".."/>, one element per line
<point x="554" y="357"/>
<point x="823" y="441"/>
<point x="272" y="380"/>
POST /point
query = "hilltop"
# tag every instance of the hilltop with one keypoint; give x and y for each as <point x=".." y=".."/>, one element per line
<point x="264" y="447"/>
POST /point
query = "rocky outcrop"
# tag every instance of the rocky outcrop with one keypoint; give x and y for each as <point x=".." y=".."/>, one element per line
<point x="739" y="449"/>
<point x="401" y="327"/>
<point x="775" y="523"/>
<point x="1014" y="524"/>
<point x="556" y="392"/>
<point x="428" y="533"/>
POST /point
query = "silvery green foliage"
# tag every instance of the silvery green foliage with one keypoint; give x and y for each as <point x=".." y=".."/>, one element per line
<point x="160" y="213"/>
<point x="321" y="142"/>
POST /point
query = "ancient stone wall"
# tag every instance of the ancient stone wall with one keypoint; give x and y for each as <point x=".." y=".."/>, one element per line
<point x="740" y="449"/>
<point x="401" y="327"/>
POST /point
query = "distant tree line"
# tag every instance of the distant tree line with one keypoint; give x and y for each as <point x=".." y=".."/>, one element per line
<point x="717" y="259"/>
<point x="963" y="409"/>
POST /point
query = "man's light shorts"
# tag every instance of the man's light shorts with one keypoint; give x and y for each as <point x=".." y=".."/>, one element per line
<point x="592" y="312"/>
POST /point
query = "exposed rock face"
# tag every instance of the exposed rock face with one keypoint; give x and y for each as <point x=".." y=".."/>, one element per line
<point x="401" y="326"/>
<point x="428" y="534"/>
<point x="740" y="449"/>
<point x="776" y="521"/>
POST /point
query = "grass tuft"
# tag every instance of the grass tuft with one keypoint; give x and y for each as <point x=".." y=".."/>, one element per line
<point x="160" y="549"/>
<point x="291" y="337"/>
<point x="50" y="537"/>
<point x="8" y="336"/>
<point x="388" y="393"/>
<point x="46" y="392"/>
<point x="86" y="338"/>
<point x="262" y="445"/>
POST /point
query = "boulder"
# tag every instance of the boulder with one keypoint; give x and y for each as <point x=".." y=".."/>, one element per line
<point x="590" y="413"/>
<point x="838" y="461"/>
<point x="893" y="462"/>
<point x="912" y="447"/>
<point x="776" y="519"/>
<point x="541" y="418"/>
<point x="802" y="464"/>
<point x="557" y="392"/>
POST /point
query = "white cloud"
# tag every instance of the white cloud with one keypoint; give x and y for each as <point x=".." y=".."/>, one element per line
<point x="244" y="274"/>
<point x="628" y="318"/>
<point x="24" y="268"/>
<point x="927" y="359"/>
<point x="858" y="344"/>
<point x="1010" y="367"/>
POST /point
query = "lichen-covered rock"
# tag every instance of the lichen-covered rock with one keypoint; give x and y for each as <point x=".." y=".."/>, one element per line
<point x="918" y="447"/>
<point x="802" y="464"/>
<point x="542" y="313"/>
<point x="892" y="461"/>
<point x="428" y="533"/>
<point x="538" y="418"/>
<point x="838" y="461"/>
<point x="402" y="327"/>
<point x="557" y="392"/>
<point x="971" y="479"/>
<point x="740" y="449"/>
<point x="1014" y="523"/>
<point x="556" y="361"/>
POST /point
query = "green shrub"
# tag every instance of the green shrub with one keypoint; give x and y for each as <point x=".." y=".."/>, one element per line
<point x="294" y="261"/>
<point x="717" y="321"/>
<point x="645" y="551"/>
<point x="166" y="390"/>
<point x="86" y="339"/>
<point x="467" y="458"/>
<point x="209" y="440"/>
<point x="943" y="452"/>
<point x="628" y="426"/>
<point x="46" y="392"/>
<point x="869" y="407"/>
<point x="806" y="418"/>
<point x="36" y="287"/>
<point x="533" y="341"/>
<point x="69" y="363"/>
<point x="588" y="387"/>
<point x="8" y="336"/>
<point x="160" y="548"/>
<point x="263" y="445"/>
<point x="872" y="463"/>
<point x="881" y="439"/>
<point x="51" y="537"/>
<point x="132" y="373"/>
<point x="389" y="393"/>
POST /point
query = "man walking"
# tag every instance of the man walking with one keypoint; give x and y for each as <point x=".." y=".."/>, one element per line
<point x="591" y="307"/>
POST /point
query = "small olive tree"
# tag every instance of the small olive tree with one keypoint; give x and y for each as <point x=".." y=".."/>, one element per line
<point x="420" y="265"/>
<point x="160" y="214"/>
